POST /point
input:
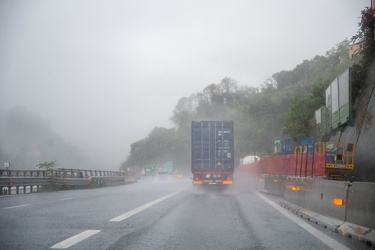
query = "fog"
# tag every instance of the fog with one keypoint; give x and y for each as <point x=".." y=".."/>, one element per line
<point x="102" y="74"/>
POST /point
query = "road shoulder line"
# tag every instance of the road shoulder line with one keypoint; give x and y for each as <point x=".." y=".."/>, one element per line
<point x="332" y="243"/>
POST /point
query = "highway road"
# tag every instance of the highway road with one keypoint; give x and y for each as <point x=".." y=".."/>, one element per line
<point x="159" y="213"/>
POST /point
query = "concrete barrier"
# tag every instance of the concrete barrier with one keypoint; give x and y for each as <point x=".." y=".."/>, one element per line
<point x="340" y="206"/>
<point x="253" y="181"/>
<point x="296" y="189"/>
<point x="361" y="204"/>
<point x="275" y="184"/>
<point x="327" y="197"/>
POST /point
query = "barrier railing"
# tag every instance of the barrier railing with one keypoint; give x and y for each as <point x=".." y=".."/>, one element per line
<point x="19" y="181"/>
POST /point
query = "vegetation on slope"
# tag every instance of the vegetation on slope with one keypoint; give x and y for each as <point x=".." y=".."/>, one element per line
<point x="283" y="106"/>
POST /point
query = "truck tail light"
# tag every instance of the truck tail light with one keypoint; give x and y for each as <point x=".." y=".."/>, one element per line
<point x="228" y="180"/>
<point x="197" y="180"/>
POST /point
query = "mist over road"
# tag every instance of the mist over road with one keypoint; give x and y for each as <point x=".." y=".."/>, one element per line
<point x="158" y="213"/>
<point x="103" y="74"/>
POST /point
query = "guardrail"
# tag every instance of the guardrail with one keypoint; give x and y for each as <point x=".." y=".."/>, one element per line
<point x="19" y="181"/>
<point x="60" y="172"/>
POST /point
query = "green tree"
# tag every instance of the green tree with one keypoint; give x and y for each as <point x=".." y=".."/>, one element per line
<point x="365" y="39"/>
<point x="302" y="110"/>
<point x="157" y="148"/>
<point x="184" y="112"/>
<point x="318" y="69"/>
<point x="49" y="166"/>
<point x="259" y="114"/>
<point x="297" y="124"/>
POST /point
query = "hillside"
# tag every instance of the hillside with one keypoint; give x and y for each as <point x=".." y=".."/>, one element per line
<point x="282" y="106"/>
<point x="27" y="140"/>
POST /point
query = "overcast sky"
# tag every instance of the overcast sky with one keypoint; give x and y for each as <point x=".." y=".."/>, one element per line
<point x="104" y="73"/>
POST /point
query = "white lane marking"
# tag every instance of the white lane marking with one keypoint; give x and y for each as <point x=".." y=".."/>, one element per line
<point x="75" y="239"/>
<point x="25" y="205"/>
<point x="65" y="199"/>
<point x="332" y="243"/>
<point x="5" y="196"/>
<point x="141" y="208"/>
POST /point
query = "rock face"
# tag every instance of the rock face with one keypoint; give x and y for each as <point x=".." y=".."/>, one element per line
<point x="362" y="133"/>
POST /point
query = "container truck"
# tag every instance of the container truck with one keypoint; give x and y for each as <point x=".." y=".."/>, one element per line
<point x="212" y="152"/>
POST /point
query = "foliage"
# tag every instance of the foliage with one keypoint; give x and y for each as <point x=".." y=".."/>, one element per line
<point x="184" y="112"/>
<point x="49" y="166"/>
<point x="318" y="69"/>
<point x="283" y="105"/>
<point x="365" y="39"/>
<point x="321" y="71"/>
<point x="161" y="145"/>
<point x="302" y="110"/>
<point x="298" y="116"/>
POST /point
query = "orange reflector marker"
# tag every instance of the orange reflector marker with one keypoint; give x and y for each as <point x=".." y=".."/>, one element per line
<point x="275" y="181"/>
<point x="338" y="202"/>
<point x="296" y="188"/>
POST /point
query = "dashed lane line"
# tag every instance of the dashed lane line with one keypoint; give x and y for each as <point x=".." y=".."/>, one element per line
<point x="88" y="233"/>
<point x="25" y="205"/>
<point x="141" y="208"/>
<point x="75" y="239"/>
<point x="65" y="199"/>
<point x="332" y="243"/>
